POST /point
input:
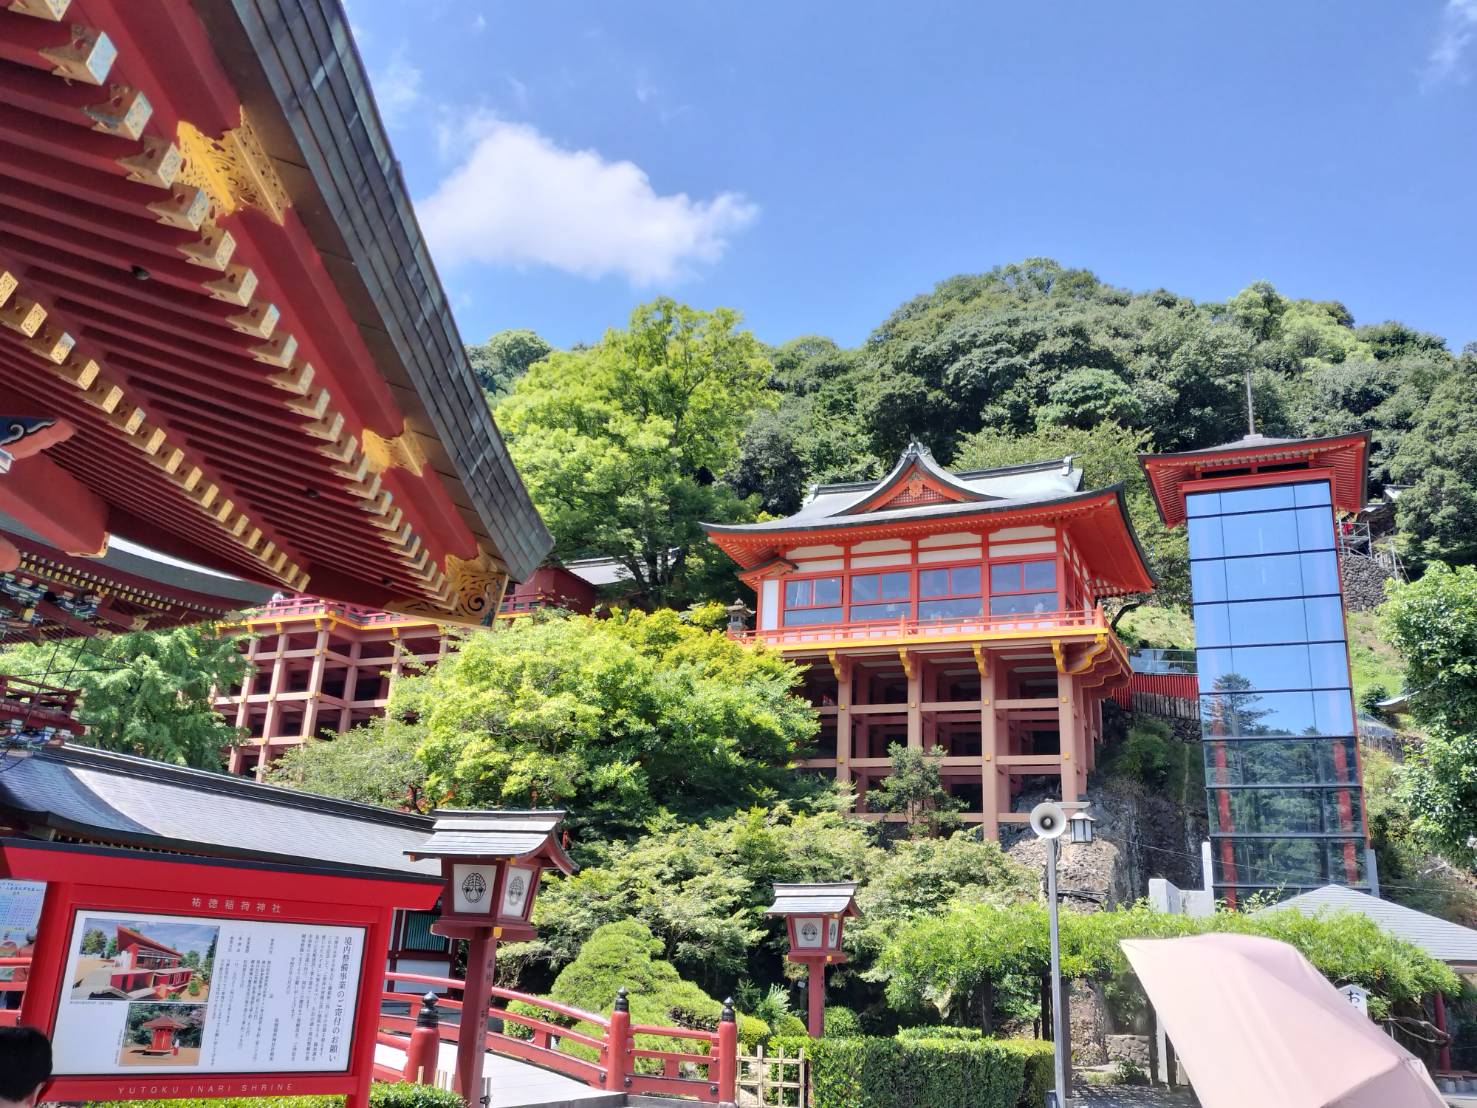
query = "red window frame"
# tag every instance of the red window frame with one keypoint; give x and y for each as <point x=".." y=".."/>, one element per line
<point x="879" y="571"/>
<point x="809" y="578"/>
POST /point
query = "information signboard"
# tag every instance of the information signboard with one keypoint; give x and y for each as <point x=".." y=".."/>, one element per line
<point x="153" y="993"/>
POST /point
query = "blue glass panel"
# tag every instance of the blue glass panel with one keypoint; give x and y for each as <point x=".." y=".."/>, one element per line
<point x="966" y="579"/>
<point x="797" y="592"/>
<point x="1328" y="665"/>
<point x="1208" y="580"/>
<point x="1205" y="538"/>
<point x="1314" y="493"/>
<point x="898" y="610"/>
<point x="1264" y="577"/>
<point x="803" y="617"/>
<point x="931" y="582"/>
<point x="1281" y="762"/>
<point x="1006" y="577"/>
<point x="827" y="590"/>
<point x="1325" y="619"/>
<point x="1286" y="811"/>
<point x="961" y="608"/>
<point x="1270" y="668"/>
<point x="1258" y="498"/>
<point x="1039" y="575"/>
<point x="1315" y="528"/>
<point x="1260" y="533"/>
<point x="1212" y="624"/>
<point x="1320" y="573"/>
<point x="1268" y="621"/>
<point x="1020" y="603"/>
<point x="1203" y="504"/>
<point x="1250" y="714"/>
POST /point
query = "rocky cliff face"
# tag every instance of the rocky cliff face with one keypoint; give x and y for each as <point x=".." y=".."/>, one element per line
<point x="1364" y="581"/>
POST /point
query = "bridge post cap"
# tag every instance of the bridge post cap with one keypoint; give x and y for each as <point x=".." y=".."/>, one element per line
<point x="728" y="1016"/>
<point x="622" y="999"/>
<point x="428" y="1016"/>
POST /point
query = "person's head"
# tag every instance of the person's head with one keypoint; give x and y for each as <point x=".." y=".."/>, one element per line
<point x="25" y="1065"/>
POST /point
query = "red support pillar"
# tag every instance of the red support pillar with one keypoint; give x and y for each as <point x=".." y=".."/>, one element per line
<point x="817" y="990"/>
<point x="618" y="1043"/>
<point x="471" y="1040"/>
<point x="425" y="1044"/>
<point x="728" y="1055"/>
<point x="1438" y="1011"/>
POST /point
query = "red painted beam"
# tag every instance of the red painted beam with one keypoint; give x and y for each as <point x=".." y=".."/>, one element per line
<point x="50" y="501"/>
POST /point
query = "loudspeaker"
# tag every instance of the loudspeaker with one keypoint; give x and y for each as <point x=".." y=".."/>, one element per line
<point x="1048" y="820"/>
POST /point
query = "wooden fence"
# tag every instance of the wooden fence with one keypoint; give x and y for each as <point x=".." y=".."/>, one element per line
<point x="772" y="1079"/>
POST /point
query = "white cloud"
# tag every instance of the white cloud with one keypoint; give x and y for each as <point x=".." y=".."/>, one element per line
<point x="518" y="199"/>
<point x="397" y="87"/>
<point x="1456" y="34"/>
<point x="479" y="23"/>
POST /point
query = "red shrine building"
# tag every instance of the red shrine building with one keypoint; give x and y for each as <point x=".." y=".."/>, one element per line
<point x="320" y="667"/>
<point x="950" y="612"/>
<point x="147" y="965"/>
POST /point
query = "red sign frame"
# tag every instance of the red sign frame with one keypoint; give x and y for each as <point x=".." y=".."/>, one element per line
<point x="88" y="878"/>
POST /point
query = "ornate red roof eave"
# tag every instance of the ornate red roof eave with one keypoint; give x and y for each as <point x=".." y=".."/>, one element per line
<point x="1344" y="457"/>
<point x="1098" y="523"/>
<point x="251" y="366"/>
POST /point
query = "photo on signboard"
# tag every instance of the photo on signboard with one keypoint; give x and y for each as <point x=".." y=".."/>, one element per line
<point x="162" y="1034"/>
<point x="143" y="959"/>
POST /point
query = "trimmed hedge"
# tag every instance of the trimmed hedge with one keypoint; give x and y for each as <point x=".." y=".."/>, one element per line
<point x="870" y="1072"/>
<point x="842" y="1023"/>
<point x="382" y="1094"/>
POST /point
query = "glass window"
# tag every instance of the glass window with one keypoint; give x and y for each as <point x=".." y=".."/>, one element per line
<point x="1260" y="533"/>
<point x="1258" y="498"/>
<point x="1039" y="576"/>
<point x="1312" y="494"/>
<point x="1235" y="713"/>
<point x="1299" y="666"/>
<point x="880" y="586"/>
<point x="963" y="607"/>
<point x="1022" y="603"/>
<point x="957" y="581"/>
<point x="1267" y="622"/>
<point x="899" y="609"/>
<point x="1285" y="811"/>
<point x="1315" y="528"/>
<point x="1205" y="538"/>
<point x="1203" y="504"/>
<point x="1281" y="762"/>
<point x="812" y="600"/>
<point x="1299" y="863"/>
<point x="1006" y="577"/>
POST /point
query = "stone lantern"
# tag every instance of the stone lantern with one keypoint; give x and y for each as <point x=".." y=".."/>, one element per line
<point x="815" y="916"/>
<point x="490" y="863"/>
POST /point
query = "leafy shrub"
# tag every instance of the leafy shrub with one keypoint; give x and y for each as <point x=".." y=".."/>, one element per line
<point x="842" y="1022"/>
<point x="403" y="1094"/>
<point x="963" y="1034"/>
<point x="1130" y="1073"/>
<point x="1149" y="753"/>
<point x="867" y="1072"/>
<point x="1369" y="699"/>
<point x="789" y="1026"/>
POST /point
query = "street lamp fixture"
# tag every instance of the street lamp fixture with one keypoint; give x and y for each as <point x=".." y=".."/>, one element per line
<point x="1050" y="822"/>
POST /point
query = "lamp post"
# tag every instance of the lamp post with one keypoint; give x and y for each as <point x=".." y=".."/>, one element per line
<point x="815" y="916"/>
<point x="1050" y="822"/>
<point x="491" y="863"/>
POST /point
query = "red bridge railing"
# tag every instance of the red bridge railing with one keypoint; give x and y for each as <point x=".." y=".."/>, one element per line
<point x="607" y="1050"/>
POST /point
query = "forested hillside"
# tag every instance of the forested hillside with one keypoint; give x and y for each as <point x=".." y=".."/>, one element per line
<point x="683" y="416"/>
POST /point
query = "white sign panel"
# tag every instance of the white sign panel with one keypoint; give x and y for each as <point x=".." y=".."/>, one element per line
<point x="517" y="890"/>
<point x="471" y="889"/>
<point x="808" y="933"/>
<point x="1357" y="997"/>
<point x="833" y="932"/>
<point x="191" y="994"/>
<point x="20" y="914"/>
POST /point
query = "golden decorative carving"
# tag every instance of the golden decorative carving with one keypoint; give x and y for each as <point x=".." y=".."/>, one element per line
<point x="401" y="452"/>
<point x="474" y="587"/>
<point x="233" y="169"/>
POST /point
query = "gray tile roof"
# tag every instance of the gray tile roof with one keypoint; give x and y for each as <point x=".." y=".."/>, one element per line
<point x="116" y="799"/>
<point x="1450" y="942"/>
<point x="505" y="833"/>
<point x="826" y="899"/>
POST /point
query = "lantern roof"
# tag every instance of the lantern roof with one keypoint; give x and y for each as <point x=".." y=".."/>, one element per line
<point x="508" y="833"/>
<point x="834" y="898"/>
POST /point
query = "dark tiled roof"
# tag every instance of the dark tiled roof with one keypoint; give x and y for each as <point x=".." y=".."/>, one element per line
<point x="116" y="799"/>
<point x="827" y="899"/>
<point x="506" y="833"/>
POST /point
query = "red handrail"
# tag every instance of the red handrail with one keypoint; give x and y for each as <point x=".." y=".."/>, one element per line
<point x="614" y="1043"/>
<point x="1093" y="617"/>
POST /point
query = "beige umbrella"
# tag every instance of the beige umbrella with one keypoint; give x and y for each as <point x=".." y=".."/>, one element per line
<point x="1257" y="1025"/>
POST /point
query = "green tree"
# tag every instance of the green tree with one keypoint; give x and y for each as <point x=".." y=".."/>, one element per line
<point x="621" y="445"/>
<point x="1433" y="622"/>
<point x="1087" y="397"/>
<point x="374" y="763"/>
<point x="94" y="942"/>
<point x="1438" y="460"/>
<point x="915" y="788"/>
<point x="618" y="719"/>
<point x="1108" y="455"/>
<point x="504" y="358"/>
<point x="147" y="693"/>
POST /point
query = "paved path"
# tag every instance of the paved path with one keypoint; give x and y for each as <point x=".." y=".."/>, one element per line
<point x="1133" y="1096"/>
<point x="516" y="1084"/>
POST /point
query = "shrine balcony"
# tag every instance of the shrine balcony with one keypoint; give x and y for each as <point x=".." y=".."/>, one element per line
<point x="902" y="632"/>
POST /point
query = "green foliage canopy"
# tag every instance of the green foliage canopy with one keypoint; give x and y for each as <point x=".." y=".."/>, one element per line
<point x="505" y="357"/>
<point x="147" y="692"/>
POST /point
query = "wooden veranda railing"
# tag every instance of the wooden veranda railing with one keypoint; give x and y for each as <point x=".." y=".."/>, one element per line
<point x="603" y="1052"/>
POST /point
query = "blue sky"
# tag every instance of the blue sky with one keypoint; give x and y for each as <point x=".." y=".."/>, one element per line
<point x="815" y="164"/>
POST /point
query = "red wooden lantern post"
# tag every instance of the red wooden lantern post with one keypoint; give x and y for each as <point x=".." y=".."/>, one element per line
<point x="816" y="916"/>
<point x="491" y="862"/>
